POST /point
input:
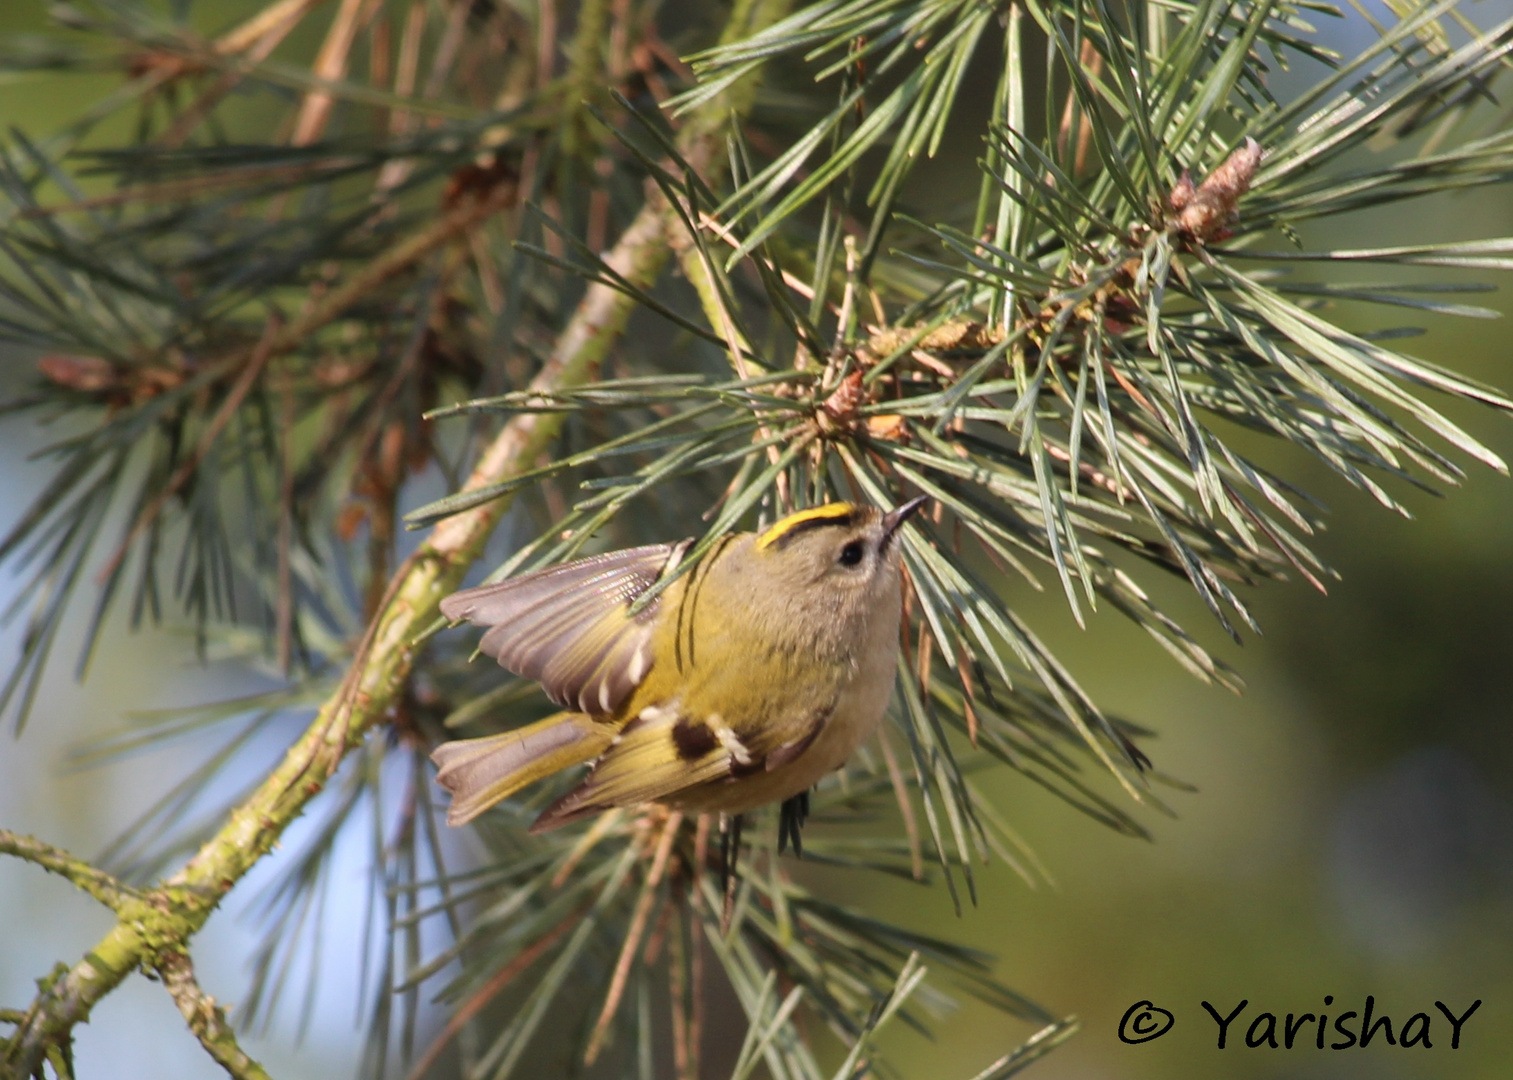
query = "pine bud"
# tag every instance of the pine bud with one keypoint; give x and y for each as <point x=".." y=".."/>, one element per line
<point x="1204" y="213"/>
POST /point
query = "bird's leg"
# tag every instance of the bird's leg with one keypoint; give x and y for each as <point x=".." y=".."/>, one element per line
<point x="791" y="818"/>
<point x="730" y="857"/>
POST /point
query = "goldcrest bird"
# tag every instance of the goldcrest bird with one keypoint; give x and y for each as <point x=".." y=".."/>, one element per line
<point x="742" y="683"/>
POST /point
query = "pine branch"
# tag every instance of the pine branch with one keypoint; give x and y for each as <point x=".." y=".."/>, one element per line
<point x="155" y="928"/>
<point x="102" y="886"/>
<point x="205" y="1018"/>
<point x="1048" y="377"/>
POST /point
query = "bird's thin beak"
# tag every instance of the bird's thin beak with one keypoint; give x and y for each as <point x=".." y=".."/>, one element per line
<point x="900" y="514"/>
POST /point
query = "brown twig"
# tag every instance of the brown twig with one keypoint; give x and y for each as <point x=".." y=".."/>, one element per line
<point x="330" y="66"/>
<point x="396" y="260"/>
<point x="964" y="665"/>
<point x="677" y="993"/>
<point x="696" y="1012"/>
<point x="487" y="992"/>
<point x="284" y="612"/>
<point x="272" y="31"/>
<point x="700" y="854"/>
<point x="905" y="807"/>
<point x="406" y="76"/>
<point x="633" y="936"/>
<point x="278" y="340"/>
<point x="658" y="936"/>
<point x="1091" y="61"/>
<point x="601" y="827"/>
<point x="218" y="422"/>
<point x="252" y="31"/>
<point x="177" y="189"/>
<point x="546" y="42"/>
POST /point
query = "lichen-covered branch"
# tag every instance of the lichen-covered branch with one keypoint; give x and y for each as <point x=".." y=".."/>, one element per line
<point x="153" y="929"/>
<point x="205" y="1018"/>
<point x="172" y="914"/>
<point x="97" y="883"/>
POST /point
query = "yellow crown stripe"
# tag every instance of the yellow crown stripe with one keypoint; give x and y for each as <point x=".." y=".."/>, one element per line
<point x="839" y="513"/>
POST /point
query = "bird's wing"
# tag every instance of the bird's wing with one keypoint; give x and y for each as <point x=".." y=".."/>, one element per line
<point x="569" y="626"/>
<point x="662" y="752"/>
<point x="643" y="764"/>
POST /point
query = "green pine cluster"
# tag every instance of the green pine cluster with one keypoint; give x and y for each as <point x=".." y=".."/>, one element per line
<point x="543" y="279"/>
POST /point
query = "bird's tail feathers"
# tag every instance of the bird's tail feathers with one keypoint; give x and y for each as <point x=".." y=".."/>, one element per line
<point x="481" y="772"/>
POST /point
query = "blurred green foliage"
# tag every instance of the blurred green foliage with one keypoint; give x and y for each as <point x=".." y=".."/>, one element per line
<point x="1353" y="829"/>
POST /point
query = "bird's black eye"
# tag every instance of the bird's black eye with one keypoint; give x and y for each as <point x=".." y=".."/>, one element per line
<point x="851" y="554"/>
